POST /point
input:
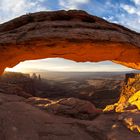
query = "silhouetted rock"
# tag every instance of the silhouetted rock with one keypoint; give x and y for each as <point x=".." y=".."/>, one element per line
<point x="13" y="89"/>
<point x="18" y="83"/>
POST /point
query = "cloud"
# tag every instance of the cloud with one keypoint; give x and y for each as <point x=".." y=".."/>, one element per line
<point x="126" y="14"/>
<point x="131" y="9"/>
<point x="137" y="2"/>
<point x="12" y="8"/>
<point x="72" y="4"/>
<point x="131" y="18"/>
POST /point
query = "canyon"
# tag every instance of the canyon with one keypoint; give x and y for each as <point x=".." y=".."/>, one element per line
<point x="75" y="35"/>
<point x="26" y="113"/>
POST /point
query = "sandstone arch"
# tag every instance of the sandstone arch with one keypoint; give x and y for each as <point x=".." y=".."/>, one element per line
<point x="74" y="35"/>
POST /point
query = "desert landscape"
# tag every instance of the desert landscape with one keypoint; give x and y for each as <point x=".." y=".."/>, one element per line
<point x="99" y="88"/>
<point x="92" y="104"/>
<point x="91" y="91"/>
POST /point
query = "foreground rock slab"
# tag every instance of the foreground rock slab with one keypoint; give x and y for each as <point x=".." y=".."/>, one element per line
<point x="22" y="121"/>
<point x="71" y="107"/>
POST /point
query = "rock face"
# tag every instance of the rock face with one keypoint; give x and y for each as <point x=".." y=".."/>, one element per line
<point x="13" y="90"/>
<point x="16" y="84"/>
<point x="131" y="121"/>
<point x="71" y="107"/>
<point x="21" y="121"/>
<point x="130" y="95"/>
<point x="74" y="35"/>
<point x="130" y="87"/>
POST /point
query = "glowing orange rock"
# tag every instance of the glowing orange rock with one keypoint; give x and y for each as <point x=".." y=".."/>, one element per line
<point x="74" y="35"/>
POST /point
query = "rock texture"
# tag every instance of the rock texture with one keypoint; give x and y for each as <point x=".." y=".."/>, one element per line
<point x="131" y="121"/>
<point x="70" y="107"/>
<point x="74" y="35"/>
<point x="130" y="87"/>
<point x="13" y="90"/>
<point x="130" y="95"/>
<point x="21" y="121"/>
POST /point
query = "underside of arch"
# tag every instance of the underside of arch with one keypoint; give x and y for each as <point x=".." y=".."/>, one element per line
<point x="73" y="35"/>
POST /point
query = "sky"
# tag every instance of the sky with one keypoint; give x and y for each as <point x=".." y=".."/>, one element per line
<point x="124" y="12"/>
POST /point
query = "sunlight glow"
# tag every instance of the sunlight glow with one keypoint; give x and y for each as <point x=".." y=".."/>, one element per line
<point x="59" y="64"/>
<point x="14" y="69"/>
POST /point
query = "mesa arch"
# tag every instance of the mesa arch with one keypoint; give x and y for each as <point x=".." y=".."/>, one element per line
<point x="73" y="34"/>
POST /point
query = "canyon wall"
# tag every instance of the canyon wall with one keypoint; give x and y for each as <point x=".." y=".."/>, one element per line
<point x="130" y="95"/>
<point x="74" y="35"/>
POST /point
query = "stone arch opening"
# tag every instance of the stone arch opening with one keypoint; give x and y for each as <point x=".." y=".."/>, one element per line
<point x="73" y="35"/>
<point x="81" y="37"/>
<point x="99" y="82"/>
<point x="66" y="65"/>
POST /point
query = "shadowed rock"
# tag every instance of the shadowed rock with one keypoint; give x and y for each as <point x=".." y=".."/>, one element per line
<point x="21" y="121"/>
<point x="70" y="107"/>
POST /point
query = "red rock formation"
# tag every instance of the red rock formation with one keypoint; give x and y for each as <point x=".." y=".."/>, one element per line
<point x="74" y="35"/>
<point x="19" y="120"/>
<point x="129" y="96"/>
<point x="70" y="107"/>
<point x="130" y="87"/>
